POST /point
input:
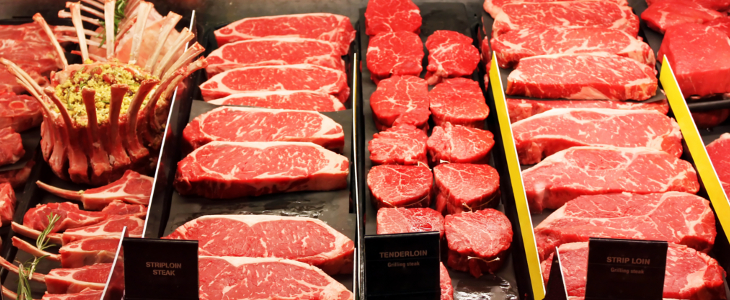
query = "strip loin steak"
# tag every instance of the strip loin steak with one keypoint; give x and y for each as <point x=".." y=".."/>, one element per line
<point x="494" y="7"/>
<point x="400" y="186"/>
<point x="459" y="101"/>
<point x="383" y="16"/>
<point x="403" y="144"/>
<point x="664" y="14"/>
<point x="450" y="54"/>
<point x="394" y="53"/>
<point x="459" y="144"/>
<point x="520" y="109"/>
<point x="718" y="153"/>
<point x="397" y="96"/>
<point x="407" y="220"/>
<point x="465" y="187"/>
<point x="718" y="5"/>
<point x="297" y="100"/>
<point x="478" y="241"/>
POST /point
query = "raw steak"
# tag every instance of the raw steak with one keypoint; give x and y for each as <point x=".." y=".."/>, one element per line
<point x="383" y="16"/>
<point x="400" y="186"/>
<point x="459" y="101"/>
<point x="306" y="240"/>
<point x="398" y="95"/>
<point x="544" y="134"/>
<point x="675" y="217"/>
<point x="667" y="13"/>
<point x="404" y="144"/>
<point x="70" y="216"/>
<point x="394" y="53"/>
<point x="447" y="290"/>
<point x="17" y="177"/>
<point x="465" y="187"/>
<point x="133" y="188"/>
<point x="604" y="14"/>
<point x="263" y="125"/>
<point x="265" y="278"/>
<point x="119" y="208"/>
<point x="520" y="109"/>
<point x="570" y="76"/>
<point x="478" y="241"/>
<point x="7" y="203"/>
<point x="718" y="153"/>
<point x="406" y="220"/>
<point x="86" y="294"/>
<point x="298" y="100"/>
<point x="722" y="24"/>
<point x="579" y="171"/>
<point x="274" y="51"/>
<point x="532" y="41"/>
<point x="77" y="254"/>
<point x="111" y="228"/>
<point x="21" y="112"/>
<point x="277" y="78"/>
<point x="332" y="28"/>
<point x="494" y="7"/>
<point x="700" y="71"/>
<point x="710" y="118"/>
<point x="69" y="280"/>
<point x="689" y="274"/>
<point x="450" y="54"/>
<point x="718" y="5"/>
<point x="459" y="144"/>
<point x="11" y="146"/>
<point x="232" y="169"/>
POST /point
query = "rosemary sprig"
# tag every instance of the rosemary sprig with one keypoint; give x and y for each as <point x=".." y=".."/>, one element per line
<point x="118" y="16"/>
<point x="25" y="274"/>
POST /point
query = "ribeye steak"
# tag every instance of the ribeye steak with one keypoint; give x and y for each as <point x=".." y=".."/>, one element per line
<point x="459" y="101"/>
<point x="478" y="241"/>
<point x="450" y="54"/>
<point x="402" y="144"/>
<point x="400" y="186"/>
<point x="465" y="187"/>
<point x="399" y="95"/>
<point x="667" y="13"/>
<point x="383" y="16"/>
<point x="718" y="152"/>
<point x="11" y="146"/>
<point x="459" y="144"/>
<point x="405" y="220"/>
<point x="298" y="100"/>
<point x="394" y="53"/>
<point x="520" y="109"/>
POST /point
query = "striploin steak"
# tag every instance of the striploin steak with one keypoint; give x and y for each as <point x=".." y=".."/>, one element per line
<point x="459" y="101"/>
<point x="450" y="54"/>
<point x="520" y="109"/>
<point x="11" y="146"/>
<point x="579" y="171"/>
<point x="302" y="239"/>
<point x="459" y="144"/>
<point x="465" y="187"/>
<point x="400" y="186"/>
<point x="664" y="14"/>
<point x="222" y="170"/>
<point x="297" y="100"/>
<point x="403" y="144"/>
<point x="394" y="53"/>
<point x="478" y="241"/>
<point x="494" y="7"/>
<point x="383" y="16"/>
<point x="406" y="220"/>
<point x="718" y="5"/>
<point x="397" y="96"/>
<point x="718" y="153"/>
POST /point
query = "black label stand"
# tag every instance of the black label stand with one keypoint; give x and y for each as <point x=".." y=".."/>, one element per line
<point x="160" y="269"/>
<point x="556" y="284"/>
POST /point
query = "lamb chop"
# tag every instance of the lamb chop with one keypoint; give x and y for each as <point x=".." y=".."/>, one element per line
<point x="20" y="112"/>
<point x="70" y="216"/>
<point x="132" y="188"/>
<point x="69" y="280"/>
<point x="111" y="227"/>
<point x="76" y="254"/>
<point x="11" y="146"/>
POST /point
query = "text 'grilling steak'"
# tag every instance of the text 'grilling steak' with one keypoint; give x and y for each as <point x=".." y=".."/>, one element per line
<point x="478" y="241"/>
<point x="406" y="220"/>
<point x="397" y="96"/>
<point x="578" y="171"/>
<point x="494" y="7"/>
<point x="599" y="77"/>
<point x="465" y="187"/>
<point x="400" y="186"/>
<point x="403" y="144"/>
<point x="383" y="16"/>
<point x="133" y="188"/>
<point x="664" y="14"/>
<point x="306" y="240"/>
<point x="459" y="101"/>
<point x="450" y="54"/>
<point x="718" y="153"/>
<point x="520" y="109"/>
<point x="544" y="134"/>
<point x="394" y="53"/>
<point x="298" y="100"/>
<point x="233" y="169"/>
<point x="459" y="144"/>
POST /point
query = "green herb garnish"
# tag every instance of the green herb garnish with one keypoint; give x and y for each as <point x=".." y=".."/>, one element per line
<point x="25" y="274"/>
<point x="118" y="16"/>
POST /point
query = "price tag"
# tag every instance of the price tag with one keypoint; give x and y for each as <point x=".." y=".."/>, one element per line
<point x="160" y="269"/>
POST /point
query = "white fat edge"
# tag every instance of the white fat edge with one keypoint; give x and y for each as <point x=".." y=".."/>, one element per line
<point x="718" y="141"/>
<point x="238" y="261"/>
<point x="558" y="214"/>
<point x="235" y="24"/>
<point x="572" y="246"/>
<point x="263" y="94"/>
<point x="219" y="76"/>
<point x="327" y="122"/>
<point x="588" y="92"/>
<point x="604" y="111"/>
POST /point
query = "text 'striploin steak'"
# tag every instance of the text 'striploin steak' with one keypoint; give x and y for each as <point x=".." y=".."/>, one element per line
<point x="606" y="14"/>
<point x="450" y="54"/>
<point x="568" y="76"/>
<point x="276" y="78"/>
<point x="394" y="53"/>
<point x="306" y="240"/>
<point x="465" y="187"/>
<point x="298" y="100"/>
<point x="238" y="169"/>
<point x="478" y="241"/>
<point x="718" y="153"/>
<point x="274" y="51"/>
<point x="459" y="144"/>
<point x="667" y="13"/>
<point x="11" y="146"/>
<point x="578" y="171"/>
<point x="459" y="101"/>
<point x="675" y="217"/>
<point x="400" y="186"/>
<point x="689" y="274"/>
<point x="332" y="28"/>
<point x="243" y="124"/>
<point x="494" y="7"/>
<point x="383" y="16"/>
<point x="532" y="41"/>
<point x="558" y="129"/>
<point x="405" y="220"/>
<point x="397" y="96"/>
<point x="520" y="109"/>
<point x="402" y="144"/>
<point x="247" y="278"/>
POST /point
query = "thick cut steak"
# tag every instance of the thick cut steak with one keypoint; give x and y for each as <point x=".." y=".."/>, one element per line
<point x="11" y="146"/>
<point x="544" y="134"/>
<point x="86" y="294"/>
<point x="332" y="28"/>
<point x="569" y="76"/>
<point x="459" y="144"/>
<point x="578" y="171"/>
<point x="403" y="144"/>
<point x="7" y="203"/>
<point x="667" y="13"/>
<point x="447" y="290"/>
<point x="233" y="169"/>
<point x="277" y="78"/>
<point x="700" y="71"/>
<point x="718" y="5"/>
<point x="494" y="7"/>
<point x="297" y="100"/>
<point x="606" y="14"/>
<point x="465" y="187"/>
<point x="397" y="96"/>
<point x="132" y="188"/>
<point x="70" y="216"/>
<point x="532" y="41"/>
<point x="383" y="16"/>
<point x="306" y="240"/>
<point x="394" y="53"/>
<point x="718" y="151"/>
<point x="247" y="278"/>
<point x="274" y="51"/>
<point x="21" y="112"/>
<point x="263" y="125"/>
<point x="520" y="109"/>
<point x="675" y="217"/>
<point x="478" y="241"/>
<point x="689" y="274"/>
<point x="450" y="54"/>
<point x="400" y="186"/>
<point x="459" y="101"/>
<point x="722" y="24"/>
<point x="406" y="220"/>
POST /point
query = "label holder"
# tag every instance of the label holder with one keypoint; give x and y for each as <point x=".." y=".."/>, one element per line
<point x="163" y="269"/>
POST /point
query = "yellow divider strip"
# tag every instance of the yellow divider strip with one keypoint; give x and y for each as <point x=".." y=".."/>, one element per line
<point x="696" y="146"/>
<point x="515" y="174"/>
